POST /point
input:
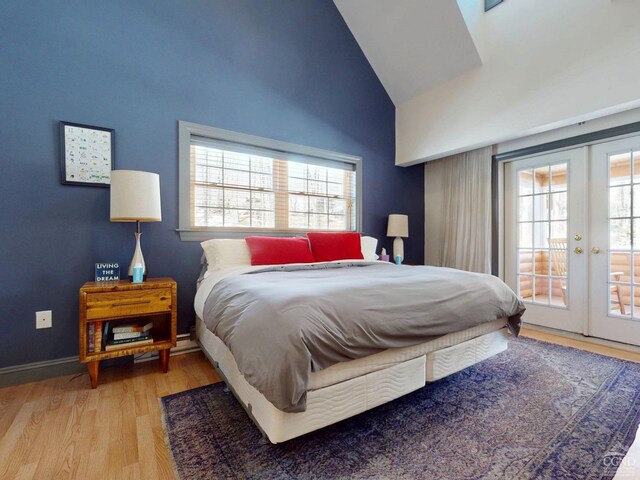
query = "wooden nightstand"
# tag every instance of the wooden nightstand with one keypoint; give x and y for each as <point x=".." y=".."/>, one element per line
<point x="123" y="302"/>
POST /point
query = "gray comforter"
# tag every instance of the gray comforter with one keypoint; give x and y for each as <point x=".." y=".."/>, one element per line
<point x="283" y="323"/>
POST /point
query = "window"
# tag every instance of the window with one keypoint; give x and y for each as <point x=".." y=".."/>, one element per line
<point x="489" y="4"/>
<point x="232" y="184"/>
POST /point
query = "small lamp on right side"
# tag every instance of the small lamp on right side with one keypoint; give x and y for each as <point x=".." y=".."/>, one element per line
<point x="398" y="227"/>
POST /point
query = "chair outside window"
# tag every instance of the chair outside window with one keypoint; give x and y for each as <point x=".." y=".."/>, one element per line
<point x="559" y="258"/>
<point x="615" y="293"/>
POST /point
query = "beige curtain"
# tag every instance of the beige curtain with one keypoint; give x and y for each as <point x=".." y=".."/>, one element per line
<point x="465" y="232"/>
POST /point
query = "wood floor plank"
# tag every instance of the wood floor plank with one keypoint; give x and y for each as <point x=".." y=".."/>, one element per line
<point x="163" y="460"/>
<point x="14" y="444"/>
<point x="21" y="451"/>
<point x="131" y="472"/>
<point x="100" y="432"/>
<point x="73" y="444"/>
<point x="67" y="454"/>
<point x="140" y="396"/>
<point x="129" y="430"/>
<point x="79" y="465"/>
<point x="8" y="413"/>
<point x="98" y="462"/>
<point x="93" y="395"/>
<point x="146" y="448"/>
<point x="26" y="472"/>
<point x="115" y="448"/>
<point x="50" y="460"/>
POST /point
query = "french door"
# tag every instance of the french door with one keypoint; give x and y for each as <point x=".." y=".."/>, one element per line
<point x="614" y="253"/>
<point x="572" y="239"/>
<point x="546" y="237"/>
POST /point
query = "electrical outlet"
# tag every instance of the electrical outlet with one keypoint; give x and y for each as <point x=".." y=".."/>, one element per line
<point x="43" y="319"/>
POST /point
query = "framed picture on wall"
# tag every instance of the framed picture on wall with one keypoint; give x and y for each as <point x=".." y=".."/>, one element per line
<point x="86" y="154"/>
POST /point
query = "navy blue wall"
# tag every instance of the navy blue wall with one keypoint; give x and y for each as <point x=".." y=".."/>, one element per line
<point x="284" y="69"/>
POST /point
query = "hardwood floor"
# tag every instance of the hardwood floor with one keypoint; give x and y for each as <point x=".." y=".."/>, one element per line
<point x="580" y="344"/>
<point x="60" y="428"/>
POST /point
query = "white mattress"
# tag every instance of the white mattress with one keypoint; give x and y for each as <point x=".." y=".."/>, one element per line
<point x="355" y="368"/>
<point x="392" y="356"/>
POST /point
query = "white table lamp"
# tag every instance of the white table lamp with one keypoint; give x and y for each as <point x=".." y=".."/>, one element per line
<point x="135" y="197"/>
<point x="398" y="227"/>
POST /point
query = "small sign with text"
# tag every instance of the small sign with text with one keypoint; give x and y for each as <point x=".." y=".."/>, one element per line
<point x="107" y="272"/>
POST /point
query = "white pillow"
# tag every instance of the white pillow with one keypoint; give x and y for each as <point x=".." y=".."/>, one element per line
<point x="226" y="253"/>
<point x="368" y="246"/>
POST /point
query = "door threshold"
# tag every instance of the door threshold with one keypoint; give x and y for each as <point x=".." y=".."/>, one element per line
<point x="583" y="338"/>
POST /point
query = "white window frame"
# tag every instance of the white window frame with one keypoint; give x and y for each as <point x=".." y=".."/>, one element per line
<point x="187" y="130"/>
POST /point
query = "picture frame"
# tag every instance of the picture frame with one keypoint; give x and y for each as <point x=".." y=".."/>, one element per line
<point x="87" y="154"/>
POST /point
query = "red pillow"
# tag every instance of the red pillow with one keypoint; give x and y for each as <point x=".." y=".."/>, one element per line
<point x="329" y="246"/>
<point x="276" y="250"/>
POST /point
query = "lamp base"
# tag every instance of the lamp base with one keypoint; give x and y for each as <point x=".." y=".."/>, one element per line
<point x="144" y="277"/>
<point x="398" y="249"/>
<point x="138" y="259"/>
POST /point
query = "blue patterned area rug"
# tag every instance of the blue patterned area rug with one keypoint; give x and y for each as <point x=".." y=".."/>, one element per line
<point x="535" y="411"/>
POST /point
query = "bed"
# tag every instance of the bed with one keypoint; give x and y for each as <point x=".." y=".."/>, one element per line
<point x="305" y="345"/>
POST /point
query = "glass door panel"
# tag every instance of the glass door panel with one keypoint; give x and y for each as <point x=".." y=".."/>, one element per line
<point x="621" y="223"/>
<point x="624" y="234"/>
<point x="615" y="241"/>
<point x="542" y="214"/>
<point x="544" y="222"/>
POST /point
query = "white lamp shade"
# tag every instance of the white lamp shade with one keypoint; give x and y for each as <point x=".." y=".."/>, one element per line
<point x="135" y="196"/>
<point x="398" y="226"/>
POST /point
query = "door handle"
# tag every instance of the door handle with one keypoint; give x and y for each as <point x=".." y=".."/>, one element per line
<point x="595" y="250"/>
<point x="578" y="250"/>
<point x="578" y="237"/>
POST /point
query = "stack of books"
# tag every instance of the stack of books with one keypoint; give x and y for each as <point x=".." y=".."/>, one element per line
<point x="129" y="335"/>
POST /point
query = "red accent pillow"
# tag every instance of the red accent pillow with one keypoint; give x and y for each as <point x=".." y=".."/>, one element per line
<point x="277" y="250"/>
<point x="329" y="246"/>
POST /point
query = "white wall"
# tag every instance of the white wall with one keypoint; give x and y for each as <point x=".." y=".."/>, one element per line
<point x="546" y="64"/>
<point x="602" y="123"/>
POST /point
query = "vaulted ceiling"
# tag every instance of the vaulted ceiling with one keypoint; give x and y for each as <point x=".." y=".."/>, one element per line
<point x="413" y="45"/>
<point x="462" y="79"/>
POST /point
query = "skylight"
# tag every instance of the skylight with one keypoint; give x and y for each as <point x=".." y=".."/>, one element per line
<point x="489" y="4"/>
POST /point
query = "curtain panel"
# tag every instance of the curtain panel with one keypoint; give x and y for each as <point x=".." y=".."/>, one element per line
<point x="465" y="234"/>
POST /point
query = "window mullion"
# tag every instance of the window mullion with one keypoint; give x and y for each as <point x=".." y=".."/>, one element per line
<point x="348" y="195"/>
<point x="281" y="187"/>
<point x="224" y="191"/>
